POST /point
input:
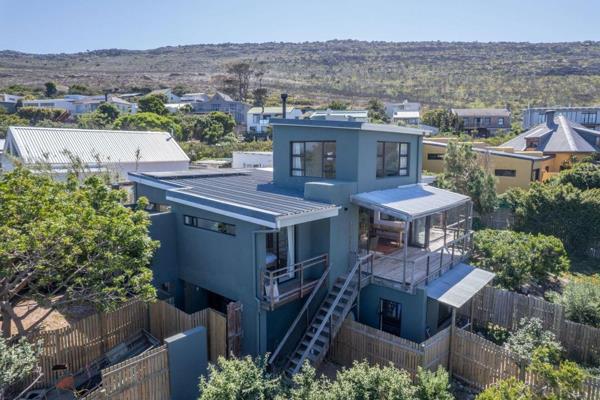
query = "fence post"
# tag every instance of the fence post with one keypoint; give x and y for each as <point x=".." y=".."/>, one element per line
<point x="452" y="333"/>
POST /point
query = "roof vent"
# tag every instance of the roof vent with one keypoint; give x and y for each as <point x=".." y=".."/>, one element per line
<point x="550" y="118"/>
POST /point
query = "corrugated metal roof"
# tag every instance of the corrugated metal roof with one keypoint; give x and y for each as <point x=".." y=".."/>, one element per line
<point x="493" y="152"/>
<point x="53" y="145"/>
<point x="458" y="285"/>
<point x="410" y="201"/>
<point x="245" y="193"/>
<point x="477" y="112"/>
<point x="560" y="136"/>
<point x="269" y="110"/>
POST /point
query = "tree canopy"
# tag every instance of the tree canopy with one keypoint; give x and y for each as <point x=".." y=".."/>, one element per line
<point x="376" y="111"/>
<point x="519" y="259"/>
<point x="464" y="174"/>
<point x="153" y="104"/>
<point x="583" y="176"/>
<point x="441" y="118"/>
<point x="51" y="89"/>
<point x="69" y="242"/>
<point x="148" y="121"/>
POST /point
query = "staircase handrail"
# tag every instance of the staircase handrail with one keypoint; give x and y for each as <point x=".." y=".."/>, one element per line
<point x="331" y="309"/>
<point x="299" y="316"/>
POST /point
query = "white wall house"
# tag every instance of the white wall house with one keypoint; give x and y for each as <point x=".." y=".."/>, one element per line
<point x="171" y="97"/>
<point x="118" y="152"/>
<point x="257" y="118"/>
<point x="79" y="104"/>
<point x="393" y="108"/>
<point x="252" y="159"/>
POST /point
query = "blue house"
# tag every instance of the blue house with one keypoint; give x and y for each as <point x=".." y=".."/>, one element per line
<point x="341" y="227"/>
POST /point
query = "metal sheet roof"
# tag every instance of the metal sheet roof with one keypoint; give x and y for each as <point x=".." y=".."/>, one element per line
<point x="243" y="194"/>
<point x="269" y="110"/>
<point x="411" y="201"/>
<point x="53" y="145"/>
<point x="493" y="152"/>
<point x="559" y="136"/>
<point x="407" y="114"/>
<point x="458" y="285"/>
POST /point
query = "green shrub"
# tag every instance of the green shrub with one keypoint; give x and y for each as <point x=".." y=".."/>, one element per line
<point x="581" y="299"/>
<point x="433" y="385"/>
<point x="519" y="258"/>
<point x="530" y="336"/>
<point x="508" y="389"/>
<point x="36" y="114"/>
<point x="496" y="333"/>
<point x="201" y="151"/>
<point x="147" y="121"/>
<point x="583" y="176"/>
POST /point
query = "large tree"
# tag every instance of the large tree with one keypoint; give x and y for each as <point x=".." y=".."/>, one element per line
<point x="147" y="121"/>
<point x="441" y="118"/>
<point x="154" y="104"/>
<point x="237" y="81"/>
<point x="65" y="242"/>
<point x="464" y="174"/>
<point x="51" y="89"/>
<point x="377" y="111"/>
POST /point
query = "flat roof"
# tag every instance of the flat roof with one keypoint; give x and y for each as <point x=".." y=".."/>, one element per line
<point x="411" y="201"/>
<point x="245" y="194"/>
<point x="494" y="152"/>
<point x="458" y="285"/>
<point x="355" y="125"/>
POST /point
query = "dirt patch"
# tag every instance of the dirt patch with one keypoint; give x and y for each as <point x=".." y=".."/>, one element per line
<point x="35" y="317"/>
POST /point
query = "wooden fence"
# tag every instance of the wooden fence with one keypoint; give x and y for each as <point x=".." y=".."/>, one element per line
<point x="81" y="343"/>
<point x="142" y="377"/>
<point x="356" y="341"/>
<point x="481" y="363"/>
<point x="506" y="308"/>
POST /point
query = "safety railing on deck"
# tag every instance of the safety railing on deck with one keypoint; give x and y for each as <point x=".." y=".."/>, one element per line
<point x="300" y="280"/>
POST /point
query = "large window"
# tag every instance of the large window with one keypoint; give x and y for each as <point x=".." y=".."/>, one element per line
<point x="505" y="172"/>
<point x="392" y="159"/>
<point x="209" y="225"/>
<point x="500" y="121"/>
<point x="313" y="159"/>
<point x="486" y="121"/>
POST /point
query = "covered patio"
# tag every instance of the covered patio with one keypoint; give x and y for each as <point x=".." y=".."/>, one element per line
<point x="416" y="233"/>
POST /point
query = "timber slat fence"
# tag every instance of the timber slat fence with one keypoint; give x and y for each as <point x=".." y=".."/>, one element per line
<point x="356" y="341"/>
<point x="78" y="345"/>
<point x="506" y="308"/>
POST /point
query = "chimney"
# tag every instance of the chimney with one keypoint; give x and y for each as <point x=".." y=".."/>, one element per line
<point x="284" y="97"/>
<point x="550" y="118"/>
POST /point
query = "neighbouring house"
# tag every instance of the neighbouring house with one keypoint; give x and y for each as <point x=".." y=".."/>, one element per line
<point x="559" y="138"/>
<point x="194" y="97"/>
<point x="406" y="117"/>
<point x="257" y="118"/>
<point x="586" y="116"/>
<point x="77" y="104"/>
<point x="340" y="115"/>
<point x="117" y="152"/>
<point x="511" y="169"/>
<point x="392" y="109"/>
<point x="341" y="226"/>
<point x="484" y="121"/>
<point x="168" y="93"/>
<point x="223" y="103"/>
<point x="252" y="159"/>
<point x="9" y="102"/>
<point x="176" y="107"/>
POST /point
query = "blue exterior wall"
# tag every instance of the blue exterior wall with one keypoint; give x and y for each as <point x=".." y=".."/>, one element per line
<point x="165" y="266"/>
<point x="188" y="360"/>
<point x="414" y="310"/>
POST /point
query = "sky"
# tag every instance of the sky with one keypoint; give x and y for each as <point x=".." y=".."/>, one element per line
<point x="68" y="26"/>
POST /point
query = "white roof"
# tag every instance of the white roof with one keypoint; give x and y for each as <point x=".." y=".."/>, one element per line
<point x="406" y="114"/>
<point x="52" y="145"/>
<point x="459" y="285"/>
<point x="411" y="201"/>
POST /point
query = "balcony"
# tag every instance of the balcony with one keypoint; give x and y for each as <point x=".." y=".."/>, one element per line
<point x="283" y="285"/>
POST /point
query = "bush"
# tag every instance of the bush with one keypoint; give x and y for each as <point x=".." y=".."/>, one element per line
<point x="583" y="176"/>
<point x="530" y="336"/>
<point x="36" y="114"/>
<point x="560" y="380"/>
<point x="519" y="258"/>
<point x="147" y="121"/>
<point x="239" y="379"/>
<point x="433" y="385"/>
<point x="581" y="299"/>
<point x="508" y="389"/>
<point x="17" y="361"/>
<point x="570" y="214"/>
<point x="153" y="104"/>
<point x="202" y="151"/>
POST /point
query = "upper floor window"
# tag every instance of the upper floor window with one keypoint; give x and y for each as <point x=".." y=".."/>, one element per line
<point x="485" y="121"/>
<point x="500" y="121"/>
<point x="588" y="118"/>
<point x="466" y="121"/>
<point x="209" y="225"/>
<point x="435" y="156"/>
<point x="313" y="159"/>
<point x="392" y="159"/>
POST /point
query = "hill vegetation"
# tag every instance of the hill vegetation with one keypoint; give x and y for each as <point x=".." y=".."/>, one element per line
<point x="435" y="73"/>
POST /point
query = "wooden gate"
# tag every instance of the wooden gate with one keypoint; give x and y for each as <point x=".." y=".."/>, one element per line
<point x="234" y="329"/>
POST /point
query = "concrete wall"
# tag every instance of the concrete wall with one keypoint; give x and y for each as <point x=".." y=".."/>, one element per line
<point x="165" y="266"/>
<point x="414" y="310"/>
<point x="188" y="360"/>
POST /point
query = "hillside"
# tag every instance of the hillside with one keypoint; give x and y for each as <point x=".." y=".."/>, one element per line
<point x="436" y="73"/>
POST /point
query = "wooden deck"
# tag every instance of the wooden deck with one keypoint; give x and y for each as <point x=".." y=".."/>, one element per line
<point x="421" y="264"/>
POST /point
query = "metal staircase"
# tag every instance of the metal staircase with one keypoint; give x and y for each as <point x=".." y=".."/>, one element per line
<point x="326" y="321"/>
